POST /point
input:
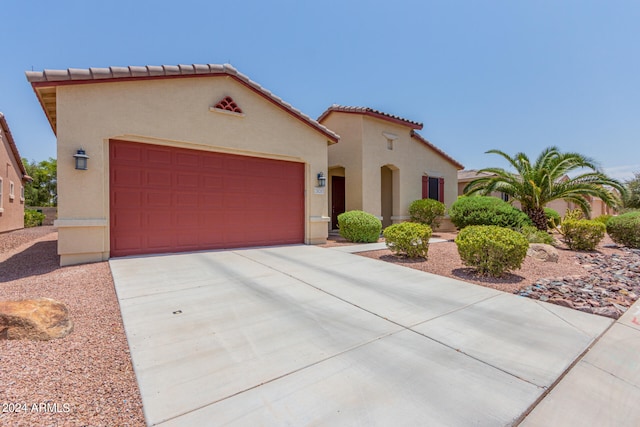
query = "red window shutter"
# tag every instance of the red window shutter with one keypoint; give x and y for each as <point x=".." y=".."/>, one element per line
<point x="425" y="187"/>
<point x="441" y="190"/>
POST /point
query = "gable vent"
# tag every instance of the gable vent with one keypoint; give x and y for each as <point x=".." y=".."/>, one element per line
<point x="228" y="104"/>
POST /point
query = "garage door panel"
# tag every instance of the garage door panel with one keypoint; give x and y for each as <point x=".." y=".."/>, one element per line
<point x="166" y="199"/>
<point x="158" y="178"/>
<point x="158" y="156"/>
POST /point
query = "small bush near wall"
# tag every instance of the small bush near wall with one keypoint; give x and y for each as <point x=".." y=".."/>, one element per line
<point x="533" y="235"/>
<point x="33" y="218"/>
<point x="482" y="210"/>
<point x="582" y="234"/>
<point x="553" y="218"/>
<point x="625" y="229"/>
<point x="408" y="238"/>
<point x="359" y="226"/>
<point x="603" y="219"/>
<point x="490" y="249"/>
<point x="427" y="212"/>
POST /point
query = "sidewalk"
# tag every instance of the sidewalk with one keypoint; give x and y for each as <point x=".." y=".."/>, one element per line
<point x="603" y="387"/>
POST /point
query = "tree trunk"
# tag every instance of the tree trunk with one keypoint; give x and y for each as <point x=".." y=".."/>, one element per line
<point x="537" y="216"/>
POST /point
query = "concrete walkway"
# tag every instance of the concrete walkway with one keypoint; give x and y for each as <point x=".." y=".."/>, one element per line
<point x="302" y="335"/>
<point x="603" y="388"/>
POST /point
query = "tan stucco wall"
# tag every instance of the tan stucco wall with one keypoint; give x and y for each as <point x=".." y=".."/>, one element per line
<point x="363" y="151"/>
<point x="11" y="209"/>
<point x="172" y="112"/>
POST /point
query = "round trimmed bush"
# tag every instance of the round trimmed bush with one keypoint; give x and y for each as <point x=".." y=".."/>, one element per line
<point x="359" y="226"/>
<point x="492" y="250"/>
<point x="625" y="229"/>
<point x="484" y="210"/>
<point x="604" y="218"/>
<point x="408" y="238"/>
<point x="427" y="212"/>
<point x="582" y="234"/>
<point x="553" y="218"/>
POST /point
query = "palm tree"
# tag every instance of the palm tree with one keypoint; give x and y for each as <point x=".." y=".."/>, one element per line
<point x="535" y="185"/>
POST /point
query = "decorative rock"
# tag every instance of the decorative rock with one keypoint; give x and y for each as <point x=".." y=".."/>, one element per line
<point x="36" y="319"/>
<point x="611" y="284"/>
<point x="543" y="252"/>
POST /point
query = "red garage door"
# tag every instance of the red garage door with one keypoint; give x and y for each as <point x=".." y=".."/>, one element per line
<point x="166" y="199"/>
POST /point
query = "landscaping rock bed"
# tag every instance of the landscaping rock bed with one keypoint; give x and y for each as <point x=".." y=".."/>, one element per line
<point x="611" y="286"/>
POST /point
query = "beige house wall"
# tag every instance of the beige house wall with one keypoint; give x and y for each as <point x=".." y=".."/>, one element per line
<point x="11" y="208"/>
<point x="173" y="112"/>
<point x="363" y="151"/>
<point x="345" y="158"/>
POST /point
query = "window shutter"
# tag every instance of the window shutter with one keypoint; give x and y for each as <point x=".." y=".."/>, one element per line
<point x="425" y="187"/>
<point x="441" y="190"/>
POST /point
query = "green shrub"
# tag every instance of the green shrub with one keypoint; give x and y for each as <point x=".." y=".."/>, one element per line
<point x="533" y="235"/>
<point x="359" y="226"/>
<point x="603" y="219"/>
<point x="427" y="212"/>
<point x="492" y="250"/>
<point x="625" y="229"/>
<point x="482" y="210"/>
<point x="553" y="218"/>
<point x="582" y="234"/>
<point x="575" y="214"/>
<point x="408" y="238"/>
<point x="32" y="218"/>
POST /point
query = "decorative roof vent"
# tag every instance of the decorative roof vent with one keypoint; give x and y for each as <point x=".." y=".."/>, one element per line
<point x="228" y="104"/>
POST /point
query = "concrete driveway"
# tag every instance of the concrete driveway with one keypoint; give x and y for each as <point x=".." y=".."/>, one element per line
<point x="301" y="335"/>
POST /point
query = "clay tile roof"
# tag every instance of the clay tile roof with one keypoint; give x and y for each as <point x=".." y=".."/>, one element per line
<point x="451" y="160"/>
<point x="44" y="83"/>
<point x="370" y="112"/>
<point x="14" y="147"/>
<point x="471" y="174"/>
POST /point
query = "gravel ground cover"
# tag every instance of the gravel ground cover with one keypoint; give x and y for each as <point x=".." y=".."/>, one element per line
<point x="604" y="282"/>
<point x="84" y="379"/>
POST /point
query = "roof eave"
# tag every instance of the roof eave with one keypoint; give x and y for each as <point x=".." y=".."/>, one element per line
<point x="450" y="159"/>
<point x="14" y="148"/>
<point x="54" y="78"/>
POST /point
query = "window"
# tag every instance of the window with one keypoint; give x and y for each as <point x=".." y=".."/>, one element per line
<point x="389" y="144"/>
<point x="504" y="196"/>
<point x="433" y="188"/>
<point x="1" y="195"/>
<point x="11" y="190"/>
<point x="22" y="193"/>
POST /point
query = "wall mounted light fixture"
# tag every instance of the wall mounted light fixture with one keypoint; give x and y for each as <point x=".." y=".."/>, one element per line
<point x="322" y="180"/>
<point x="81" y="159"/>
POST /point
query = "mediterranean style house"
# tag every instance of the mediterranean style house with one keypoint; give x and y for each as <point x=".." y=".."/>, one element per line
<point x="382" y="164"/>
<point x="160" y="159"/>
<point x="13" y="177"/>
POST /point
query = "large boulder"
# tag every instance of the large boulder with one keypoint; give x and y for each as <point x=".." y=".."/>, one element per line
<point x="543" y="252"/>
<point x="34" y="319"/>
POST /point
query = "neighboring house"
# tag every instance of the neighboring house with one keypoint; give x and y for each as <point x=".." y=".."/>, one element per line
<point x="382" y="164"/>
<point x="598" y="207"/>
<point x="180" y="158"/>
<point x="466" y="176"/>
<point x="13" y="177"/>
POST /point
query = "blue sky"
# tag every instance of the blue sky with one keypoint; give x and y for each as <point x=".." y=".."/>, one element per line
<point x="511" y="75"/>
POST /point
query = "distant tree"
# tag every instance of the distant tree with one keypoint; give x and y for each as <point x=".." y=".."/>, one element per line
<point x="632" y="198"/>
<point x="536" y="184"/>
<point x="43" y="190"/>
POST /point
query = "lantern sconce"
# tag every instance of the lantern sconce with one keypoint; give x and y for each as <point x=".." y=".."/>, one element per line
<point x="81" y="159"/>
<point x="322" y="180"/>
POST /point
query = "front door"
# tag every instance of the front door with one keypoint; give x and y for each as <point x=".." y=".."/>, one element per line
<point x="337" y="199"/>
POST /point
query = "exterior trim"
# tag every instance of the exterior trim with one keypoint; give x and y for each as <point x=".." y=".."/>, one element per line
<point x="447" y="157"/>
<point x="14" y="148"/>
<point x="60" y="223"/>
<point x="366" y="111"/>
<point x="52" y="78"/>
